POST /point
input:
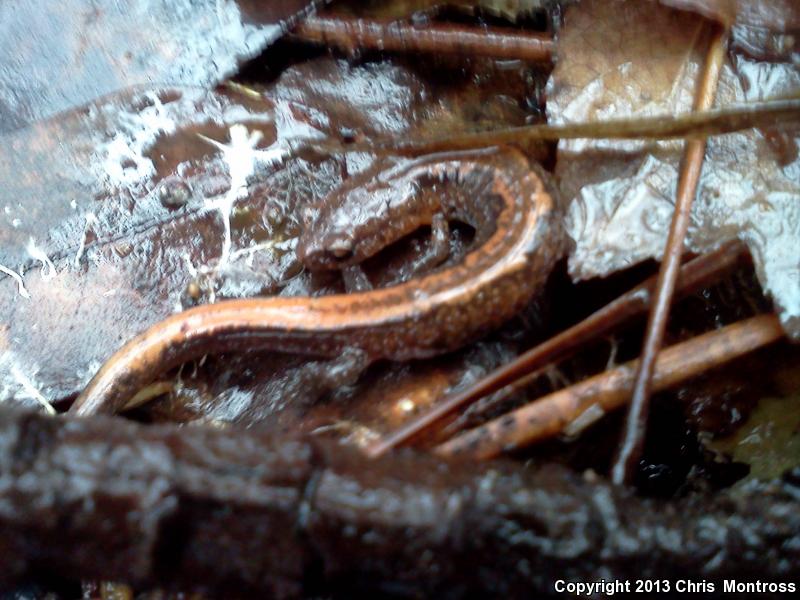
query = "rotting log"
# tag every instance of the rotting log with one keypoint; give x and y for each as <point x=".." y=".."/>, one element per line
<point x="249" y="512"/>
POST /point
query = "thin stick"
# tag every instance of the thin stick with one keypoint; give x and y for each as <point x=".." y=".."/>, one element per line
<point x="625" y="466"/>
<point x="549" y="415"/>
<point x="693" y="275"/>
<point x="350" y="34"/>
<point x="771" y="113"/>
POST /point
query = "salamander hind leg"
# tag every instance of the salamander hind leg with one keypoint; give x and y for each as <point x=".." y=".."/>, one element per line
<point x="319" y="378"/>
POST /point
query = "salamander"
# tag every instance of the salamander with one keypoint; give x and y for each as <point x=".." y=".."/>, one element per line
<point x="518" y="238"/>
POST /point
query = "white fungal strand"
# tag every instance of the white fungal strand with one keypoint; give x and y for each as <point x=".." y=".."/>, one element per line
<point x="18" y="278"/>
<point x="242" y="157"/>
<point x="48" y="268"/>
<point x="30" y="389"/>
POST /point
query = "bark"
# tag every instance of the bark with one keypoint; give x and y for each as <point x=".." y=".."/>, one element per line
<point x="252" y="512"/>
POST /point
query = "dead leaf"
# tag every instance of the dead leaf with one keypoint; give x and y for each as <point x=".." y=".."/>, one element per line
<point x="86" y="226"/>
<point x="776" y="15"/>
<point x="764" y="30"/>
<point x="65" y="54"/>
<point x="769" y="441"/>
<point x="620" y="59"/>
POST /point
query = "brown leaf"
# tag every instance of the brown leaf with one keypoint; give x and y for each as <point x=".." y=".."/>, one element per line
<point x="85" y="224"/>
<point x="777" y="15"/>
<point x="765" y="30"/>
<point x="620" y="59"/>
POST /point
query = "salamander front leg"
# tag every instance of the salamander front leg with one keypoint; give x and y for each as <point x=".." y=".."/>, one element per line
<point x="355" y="279"/>
<point x="440" y="245"/>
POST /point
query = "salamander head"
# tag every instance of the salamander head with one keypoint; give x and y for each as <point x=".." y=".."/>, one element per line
<point x="352" y="224"/>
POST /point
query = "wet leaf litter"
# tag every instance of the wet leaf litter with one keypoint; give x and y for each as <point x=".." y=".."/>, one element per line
<point x="749" y="187"/>
<point x="179" y="196"/>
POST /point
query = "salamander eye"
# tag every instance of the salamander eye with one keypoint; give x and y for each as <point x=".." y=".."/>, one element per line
<point x="341" y="247"/>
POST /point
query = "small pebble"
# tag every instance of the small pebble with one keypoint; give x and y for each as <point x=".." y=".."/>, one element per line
<point x="174" y="194"/>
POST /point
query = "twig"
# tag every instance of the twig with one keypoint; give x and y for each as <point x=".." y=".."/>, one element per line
<point x="771" y="113"/>
<point x="631" y="446"/>
<point x="549" y="415"/>
<point x="693" y="275"/>
<point x="350" y="34"/>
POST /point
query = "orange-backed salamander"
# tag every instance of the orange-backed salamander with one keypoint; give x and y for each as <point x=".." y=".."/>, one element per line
<point x="517" y="240"/>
